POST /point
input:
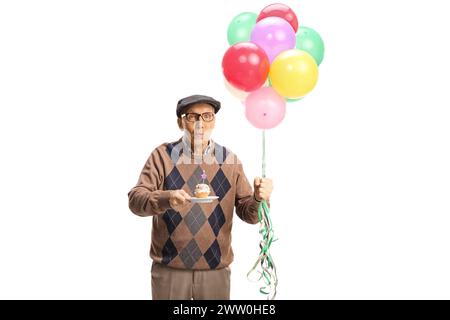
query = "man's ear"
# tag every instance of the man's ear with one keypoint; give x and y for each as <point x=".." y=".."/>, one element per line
<point x="180" y="123"/>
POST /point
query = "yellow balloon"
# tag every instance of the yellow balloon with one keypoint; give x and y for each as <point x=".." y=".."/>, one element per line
<point x="294" y="73"/>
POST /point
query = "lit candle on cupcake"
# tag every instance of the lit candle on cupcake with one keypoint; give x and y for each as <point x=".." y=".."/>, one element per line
<point x="202" y="189"/>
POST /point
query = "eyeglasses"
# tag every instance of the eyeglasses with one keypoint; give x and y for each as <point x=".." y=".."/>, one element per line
<point x="206" y="116"/>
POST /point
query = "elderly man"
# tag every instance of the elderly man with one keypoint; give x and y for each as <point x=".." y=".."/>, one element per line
<point x="191" y="242"/>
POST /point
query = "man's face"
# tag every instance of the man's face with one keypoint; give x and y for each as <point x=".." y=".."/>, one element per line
<point x="200" y="130"/>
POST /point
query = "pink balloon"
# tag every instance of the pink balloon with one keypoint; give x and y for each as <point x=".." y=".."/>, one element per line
<point x="274" y="35"/>
<point x="265" y="108"/>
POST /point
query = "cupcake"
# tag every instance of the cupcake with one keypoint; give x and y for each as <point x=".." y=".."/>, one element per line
<point x="201" y="190"/>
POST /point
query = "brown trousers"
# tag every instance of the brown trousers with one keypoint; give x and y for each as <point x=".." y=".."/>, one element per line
<point x="175" y="284"/>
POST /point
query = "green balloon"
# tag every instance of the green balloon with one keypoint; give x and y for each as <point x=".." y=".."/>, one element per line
<point x="241" y="27"/>
<point x="293" y="100"/>
<point x="310" y="41"/>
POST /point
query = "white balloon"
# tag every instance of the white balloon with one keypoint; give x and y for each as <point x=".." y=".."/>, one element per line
<point x="240" y="94"/>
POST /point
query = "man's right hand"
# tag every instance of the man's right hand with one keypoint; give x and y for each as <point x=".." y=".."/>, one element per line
<point x="179" y="199"/>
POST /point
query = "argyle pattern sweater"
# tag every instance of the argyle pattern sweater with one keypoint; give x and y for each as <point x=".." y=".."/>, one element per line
<point x="199" y="236"/>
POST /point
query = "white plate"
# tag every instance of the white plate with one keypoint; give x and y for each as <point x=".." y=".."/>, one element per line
<point x="204" y="200"/>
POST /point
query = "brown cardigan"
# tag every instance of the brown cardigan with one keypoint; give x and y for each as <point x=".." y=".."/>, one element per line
<point x="199" y="237"/>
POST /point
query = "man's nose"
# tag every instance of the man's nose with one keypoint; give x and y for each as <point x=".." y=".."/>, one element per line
<point x="199" y="123"/>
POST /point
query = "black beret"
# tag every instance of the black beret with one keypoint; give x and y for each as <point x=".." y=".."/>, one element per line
<point x="191" y="100"/>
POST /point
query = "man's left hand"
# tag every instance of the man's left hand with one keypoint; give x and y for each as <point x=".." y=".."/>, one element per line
<point x="263" y="188"/>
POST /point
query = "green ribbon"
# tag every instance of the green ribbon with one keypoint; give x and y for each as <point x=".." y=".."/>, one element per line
<point x="264" y="265"/>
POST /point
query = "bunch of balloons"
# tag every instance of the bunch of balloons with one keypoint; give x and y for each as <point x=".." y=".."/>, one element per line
<point x="272" y="60"/>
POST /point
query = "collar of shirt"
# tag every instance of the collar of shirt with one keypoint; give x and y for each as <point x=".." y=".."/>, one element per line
<point x="187" y="146"/>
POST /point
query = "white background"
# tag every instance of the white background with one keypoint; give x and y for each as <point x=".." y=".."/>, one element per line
<point x="360" y="166"/>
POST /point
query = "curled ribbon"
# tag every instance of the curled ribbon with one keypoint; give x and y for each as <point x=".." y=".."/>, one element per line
<point x="264" y="265"/>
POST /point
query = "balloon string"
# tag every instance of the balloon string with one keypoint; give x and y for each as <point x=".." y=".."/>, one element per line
<point x="264" y="153"/>
<point x="264" y="265"/>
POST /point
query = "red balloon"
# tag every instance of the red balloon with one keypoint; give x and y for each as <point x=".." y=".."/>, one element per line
<point x="246" y="66"/>
<point x="282" y="11"/>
